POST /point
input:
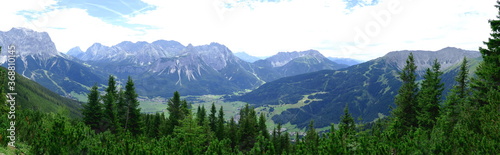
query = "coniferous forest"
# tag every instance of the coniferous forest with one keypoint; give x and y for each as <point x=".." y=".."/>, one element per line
<point x="466" y="122"/>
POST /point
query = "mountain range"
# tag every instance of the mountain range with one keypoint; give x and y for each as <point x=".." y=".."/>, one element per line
<point x="158" y="68"/>
<point x="368" y="88"/>
<point x="291" y="87"/>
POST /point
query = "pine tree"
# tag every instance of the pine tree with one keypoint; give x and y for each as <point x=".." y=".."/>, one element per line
<point x="311" y="139"/>
<point x="263" y="126"/>
<point x="121" y="109"/>
<point x="185" y="109"/>
<point x="175" y="111"/>
<point x="248" y="129"/>
<point x="110" y="110"/>
<point x="92" y="111"/>
<point x="212" y="118"/>
<point x="429" y="97"/>
<point x="220" y="124"/>
<point x="133" y="121"/>
<point x="486" y="86"/>
<point x="232" y="132"/>
<point x="459" y="94"/>
<point x="405" y="113"/>
<point x="347" y="125"/>
<point x="200" y="115"/>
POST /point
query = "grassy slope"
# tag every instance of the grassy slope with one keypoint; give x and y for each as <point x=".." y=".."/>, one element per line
<point x="31" y="95"/>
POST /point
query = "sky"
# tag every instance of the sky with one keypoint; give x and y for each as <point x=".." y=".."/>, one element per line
<point x="359" y="29"/>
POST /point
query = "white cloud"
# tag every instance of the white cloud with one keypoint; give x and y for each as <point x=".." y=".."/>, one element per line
<point x="266" y="28"/>
<point x="9" y="12"/>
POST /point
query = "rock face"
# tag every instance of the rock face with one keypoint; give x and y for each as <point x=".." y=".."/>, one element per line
<point x="29" y="42"/>
<point x="38" y="60"/>
<point x="166" y="66"/>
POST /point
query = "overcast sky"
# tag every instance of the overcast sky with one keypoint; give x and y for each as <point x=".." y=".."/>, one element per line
<point x="360" y="29"/>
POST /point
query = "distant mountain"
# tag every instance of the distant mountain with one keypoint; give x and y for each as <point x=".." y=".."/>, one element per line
<point x="167" y="66"/>
<point x="368" y="88"/>
<point x="31" y="95"/>
<point x="38" y="60"/>
<point x="286" y="64"/>
<point x="246" y="57"/>
<point x="345" y="61"/>
<point x="29" y="42"/>
<point x="75" y="52"/>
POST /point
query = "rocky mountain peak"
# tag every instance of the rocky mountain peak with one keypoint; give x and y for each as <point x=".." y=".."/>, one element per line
<point x="29" y="42"/>
<point x="283" y="58"/>
<point x="423" y="59"/>
<point x="75" y="52"/>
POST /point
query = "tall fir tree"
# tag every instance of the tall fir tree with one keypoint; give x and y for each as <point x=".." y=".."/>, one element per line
<point x="405" y="114"/>
<point x="212" y="118"/>
<point x="201" y="114"/>
<point x="121" y="109"/>
<point x="110" y="107"/>
<point x="311" y="139"/>
<point x="175" y="110"/>
<point x="232" y="132"/>
<point x="133" y="120"/>
<point x="92" y="111"/>
<point x="486" y="86"/>
<point x="263" y="126"/>
<point x="458" y="96"/>
<point x="248" y="128"/>
<point x="347" y="125"/>
<point x="185" y="109"/>
<point x="429" y="97"/>
<point x="220" y="124"/>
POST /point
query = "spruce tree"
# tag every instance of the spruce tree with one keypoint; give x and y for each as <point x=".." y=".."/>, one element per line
<point x="212" y="118"/>
<point x="459" y="94"/>
<point x="185" y="109"/>
<point x="92" y="111"/>
<point x="486" y="86"/>
<point x="347" y="125"/>
<point x="311" y="139"/>
<point x="232" y="132"/>
<point x="429" y="97"/>
<point x="133" y="121"/>
<point x="220" y="124"/>
<point x="110" y="110"/>
<point x="263" y="126"/>
<point x="406" y="102"/>
<point x="248" y="130"/>
<point x="174" y="110"/>
<point x="121" y="109"/>
<point x="201" y="115"/>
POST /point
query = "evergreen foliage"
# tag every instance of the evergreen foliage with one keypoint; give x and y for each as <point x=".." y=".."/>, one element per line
<point x="92" y="112"/>
<point x="429" y="97"/>
<point x="469" y="123"/>
<point x="405" y="114"/>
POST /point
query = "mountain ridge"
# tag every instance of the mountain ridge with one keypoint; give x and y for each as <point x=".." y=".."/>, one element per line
<point x="368" y="88"/>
